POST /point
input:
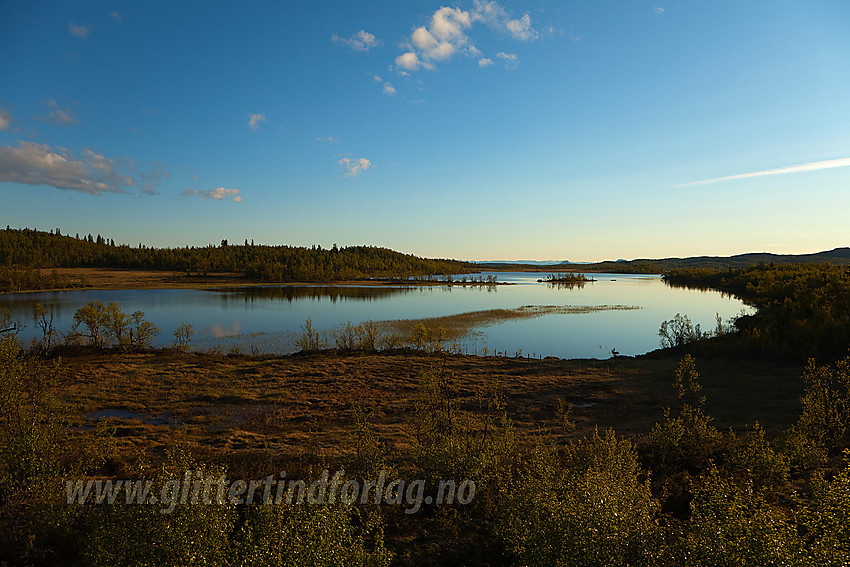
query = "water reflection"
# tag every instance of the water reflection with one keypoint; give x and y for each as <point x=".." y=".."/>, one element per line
<point x="276" y="314"/>
<point x="294" y="293"/>
<point x="696" y="287"/>
<point x="566" y="285"/>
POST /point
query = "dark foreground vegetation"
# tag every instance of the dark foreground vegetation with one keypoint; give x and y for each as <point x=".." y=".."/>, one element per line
<point x="551" y="489"/>
<point x="25" y="253"/>
<point x="803" y="309"/>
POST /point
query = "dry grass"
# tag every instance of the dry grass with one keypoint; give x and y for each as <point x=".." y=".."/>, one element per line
<point x="459" y="325"/>
<point x="289" y="405"/>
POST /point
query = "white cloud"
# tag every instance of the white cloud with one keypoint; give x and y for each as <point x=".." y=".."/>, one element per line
<point x="485" y="62"/>
<point x="361" y="41"/>
<point x="81" y="31"/>
<point x="408" y="61"/>
<point x="329" y="139"/>
<point x="658" y="10"/>
<point x="92" y="173"/>
<point x="444" y="36"/>
<point x="5" y="120"/>
<point x="388" y="88"/>
<point x="497" y="18"/>
<point x="447" y="35"/>
<point x="355" y="167"/>
<point x="521" y="29"/>
<point x="116" y="17"/>
<point x="255" y="121"/>
<point x="812" y="166"/>
<point x="60" y="115"/>
<point x="218" y="194"/>
<point x="510" y="59"/>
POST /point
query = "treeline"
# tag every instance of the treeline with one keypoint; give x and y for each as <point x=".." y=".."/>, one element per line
<point x="803" y="309"/>
<point x="20" y="279"/>
<point x="29" y="249"/>
<point x="630" y="267"/>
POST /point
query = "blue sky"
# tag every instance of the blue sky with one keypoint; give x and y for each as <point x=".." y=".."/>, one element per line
<point x="580" y="130"/>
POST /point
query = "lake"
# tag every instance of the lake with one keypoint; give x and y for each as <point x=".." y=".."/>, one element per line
<point x="270" y="318"/>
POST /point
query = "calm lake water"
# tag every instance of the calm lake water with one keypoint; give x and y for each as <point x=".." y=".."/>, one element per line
<point x="270" y="318"/>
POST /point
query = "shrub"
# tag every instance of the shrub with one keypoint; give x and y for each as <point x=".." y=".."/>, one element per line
<point x="183" y="337"/>
<point x="141" y="332"/>
<point x="107" y="325"/>
<point x="734" y="526"/>
<point x="305" y="535"/>
<point x="36" y="451"/>
<point x="690" y="434"/>
<point x="310" y="340"/>
<point x="751" y="457"/>
<point x="93" y="317"/>
<point x="346" y="338"/>
<point x="44" y="322"/>
<point x="427" y="338"/>
<point x="141" y="534"/>
<point x="594" y="509"/>
<point x="826" y="405"/>
<point x="679" y="331"/>
<point x="827" y="519"/>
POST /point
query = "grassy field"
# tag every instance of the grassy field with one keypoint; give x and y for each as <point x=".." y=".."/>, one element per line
<point x="459" y="325"/>
<point x="287" y="405"/>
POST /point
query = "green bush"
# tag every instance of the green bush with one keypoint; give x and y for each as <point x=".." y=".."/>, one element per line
<point x="183" y="337"/>
<point x="36" y="453"/>
<point x="734" y="526"/>
<point x="594" y="509"/>
<point x="107" y="325"/>
<point x="752" y="458"/>
<point x="136" y="534"/>
<point x="305" y="536"/>
<point x="688" y="436"/>
<point x="310" y="340"/>
<point x="826" y="518"/>
<point x="826" y="405"/>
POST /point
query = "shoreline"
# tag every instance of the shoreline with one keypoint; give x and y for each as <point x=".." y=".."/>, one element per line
<point x="128" y="279"/>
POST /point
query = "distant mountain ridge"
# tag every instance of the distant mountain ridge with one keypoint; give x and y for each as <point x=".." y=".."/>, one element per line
<point x="835" y="256"/>
<point x="838" y="256"/>
<point x="526" y="262"/>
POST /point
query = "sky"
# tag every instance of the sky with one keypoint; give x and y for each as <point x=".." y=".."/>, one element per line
<point x="578" y="130"/>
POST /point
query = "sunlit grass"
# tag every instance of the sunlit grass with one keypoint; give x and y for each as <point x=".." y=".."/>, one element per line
<point x="461" y="324"/>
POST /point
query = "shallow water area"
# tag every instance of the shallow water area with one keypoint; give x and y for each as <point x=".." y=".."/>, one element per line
<point x="269" y="319"/>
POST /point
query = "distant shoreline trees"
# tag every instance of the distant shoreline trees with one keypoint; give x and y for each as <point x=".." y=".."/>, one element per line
<point x="24" y="251"/>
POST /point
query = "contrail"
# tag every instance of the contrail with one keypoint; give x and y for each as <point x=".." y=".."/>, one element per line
<point x="813" y="166"/>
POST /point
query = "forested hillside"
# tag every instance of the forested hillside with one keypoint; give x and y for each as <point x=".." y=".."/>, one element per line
<point x="803" y="309"/>
<point x="25" y="249"/>
<point x="837" y="256"/>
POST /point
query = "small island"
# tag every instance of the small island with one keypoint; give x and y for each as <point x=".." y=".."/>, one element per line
<point x="566" y="278"/>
